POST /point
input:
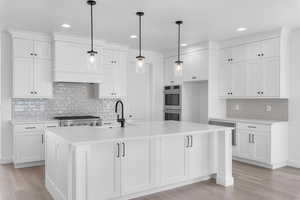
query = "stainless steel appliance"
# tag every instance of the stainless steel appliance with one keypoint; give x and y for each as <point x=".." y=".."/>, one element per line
<point x="172" y="97"/>
<point x="173" y="114"/>
<point x="227" y="124"/>
<point x="79" y="120"/>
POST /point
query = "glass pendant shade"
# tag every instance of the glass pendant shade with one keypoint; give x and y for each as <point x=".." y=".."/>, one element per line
<point x="178" y="68"/>
<point x="92" y="62"/>
<point x="140" y="65"/>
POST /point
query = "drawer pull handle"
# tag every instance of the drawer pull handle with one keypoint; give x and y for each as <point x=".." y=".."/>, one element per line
<point x="251" y="126"/>
<point x="32" y="127"/>
<point x="194" y="77"/>
<point x="51" y="126"/>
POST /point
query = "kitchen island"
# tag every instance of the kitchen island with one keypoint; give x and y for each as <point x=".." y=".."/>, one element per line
<point x="92" y="163"/>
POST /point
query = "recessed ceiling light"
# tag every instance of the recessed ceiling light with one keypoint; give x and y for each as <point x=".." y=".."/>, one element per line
<point x="66" y="25"/>
<point x="241" y="29"/>
<point x="183" y="44"/>
<point x="133" y="36"/>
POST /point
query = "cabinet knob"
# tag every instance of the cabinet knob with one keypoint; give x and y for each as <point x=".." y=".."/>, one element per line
<point x="194" y="77"/>
<point x="262" y="54"/>
<point x="172" y="81"/>
<point x="32" y="54"/>
<point x="258" y="54"/>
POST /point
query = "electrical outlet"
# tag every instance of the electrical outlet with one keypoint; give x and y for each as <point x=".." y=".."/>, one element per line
<point x="237" y="107"/>
<point x="268" y="108"/>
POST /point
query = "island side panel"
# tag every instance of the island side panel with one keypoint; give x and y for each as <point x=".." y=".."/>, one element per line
<point x="224" y="174"/>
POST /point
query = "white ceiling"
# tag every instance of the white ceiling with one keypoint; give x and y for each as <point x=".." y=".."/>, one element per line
<point x="115" y="20"/>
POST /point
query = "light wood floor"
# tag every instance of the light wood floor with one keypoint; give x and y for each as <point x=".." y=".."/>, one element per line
<point x="251" y="183"/>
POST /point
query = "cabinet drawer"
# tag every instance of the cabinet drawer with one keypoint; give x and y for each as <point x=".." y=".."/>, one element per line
<point x="28" y="127"/>
<point x="254" y="127"/>
<point x="51" y="125"/>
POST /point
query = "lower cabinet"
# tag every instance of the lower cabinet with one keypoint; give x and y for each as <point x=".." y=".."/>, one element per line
<point x="184" y="157"/>
<point x="119" y="168"/>
<point x="29" y="143"/>
<point x="262" y="144"/>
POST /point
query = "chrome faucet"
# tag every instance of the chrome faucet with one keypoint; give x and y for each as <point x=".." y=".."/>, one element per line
<point x="121" y="120"/>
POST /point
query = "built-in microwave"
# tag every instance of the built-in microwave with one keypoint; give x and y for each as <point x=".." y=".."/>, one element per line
<point x="173" y="114"/>
<point x="172" y="97"/>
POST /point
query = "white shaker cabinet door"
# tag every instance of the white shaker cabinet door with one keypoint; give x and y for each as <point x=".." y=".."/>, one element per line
<point x="42" y="50"/>
<point x="135" y="165"/>
<point x="29" y="147"/>
<point x="261" y="147"/>
<point x="198" y="155"/>
<point x="23" y="78"/>
<point x="43" y="78"/>
<point x="195" y="66"/>
<point x="225" y="80"/>
<point x="255" y="76"/>
<point x="271" y="77"/>
<point x="238" y="75"/>
<point x="23" y="48"/>
<point x="244" y="143"/>
<point x="104" y="171"/>
<point x="169" y="72"/>
<point x="173" y="159"/>
<point x="270" y="48"/>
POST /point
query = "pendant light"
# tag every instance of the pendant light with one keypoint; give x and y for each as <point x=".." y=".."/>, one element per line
<point x="92" y="58"/>
<point x="178" y="62"/>
<point x="140" y="60"/>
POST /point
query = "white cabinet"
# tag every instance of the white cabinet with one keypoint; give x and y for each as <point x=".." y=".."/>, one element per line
<point x="169" y="72"/>
<point x="195" y="66"/>
<point x="32" y="68"/>
<point x="197" y="155"/>
<point x="114" y="74"/>
<point x="184" y="157"/>
<point x="29" y="143"/>
<point x="253" y="70"/>
<point x="262" y="144"/>
<point x="135" y="165"/>
<point x="173" y="159"/>
<point x="104" y="171"/>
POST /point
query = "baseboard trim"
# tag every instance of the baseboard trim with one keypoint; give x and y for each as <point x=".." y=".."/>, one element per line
<point x="54" y="191"/>
<point x="29" y="164"/>
<point x="265" y="165"/>
<point x="4" y="161"/>
<point x="294" y="163"/>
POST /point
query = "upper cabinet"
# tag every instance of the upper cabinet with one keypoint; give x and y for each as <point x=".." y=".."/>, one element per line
<point x="195" y="67"/>
<point x="114" y="74"/>
<point x="255" y="69"/>
<point x="71" y="61"/>
<point x="32" y="66"/>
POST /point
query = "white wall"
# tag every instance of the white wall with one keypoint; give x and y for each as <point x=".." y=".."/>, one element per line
<point x="195" y="101"/>
<point x="6" y="85"/>
<point x="294" y="101"/>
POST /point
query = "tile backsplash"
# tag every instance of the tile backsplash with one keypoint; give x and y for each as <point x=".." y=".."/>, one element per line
<point x="265" y="109"/>
<point x="69" y="99"/>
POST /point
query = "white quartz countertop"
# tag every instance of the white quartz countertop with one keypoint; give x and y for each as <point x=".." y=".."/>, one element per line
<point x="244" y="120"/>
<point x="33" y="121"/>
<point x="79" y="135"/>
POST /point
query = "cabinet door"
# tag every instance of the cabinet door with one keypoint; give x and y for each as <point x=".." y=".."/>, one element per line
<point x="23" y="78"/>
<point x="195" y="66"/>
<point x="104" y="171"/>
<point x="253" y="51"/>
<point x="43" y="78"/>
<point x="135" y="164"/>
<point x="271" y="48"/>
<point x="169" y="72"/>
<point x="198" y="155"/>
<point x="120" y="74"/>
<point x="271" y="77"/>
<point x="261" y="147"/>
<point x="29" y="147"/>
<point x="225" y="77"/>
<point x="106" y="89"/>
<point x="173" y="159"/>
<point x="23" y="48"/>
<point x="245" y="147"/>
<point x="42" y="50"/>
<point x="238" y="79"/>
<point x="255" y="75"/>
<point x="238" y="53"/>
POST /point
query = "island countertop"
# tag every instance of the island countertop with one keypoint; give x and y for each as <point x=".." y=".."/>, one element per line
<point x="81" y="135"/>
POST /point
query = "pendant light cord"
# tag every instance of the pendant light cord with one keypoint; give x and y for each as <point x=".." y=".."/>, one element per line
<point x="92" y="29"/>
<point x="178" y="42"/>
<point x="140" y="35"/>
